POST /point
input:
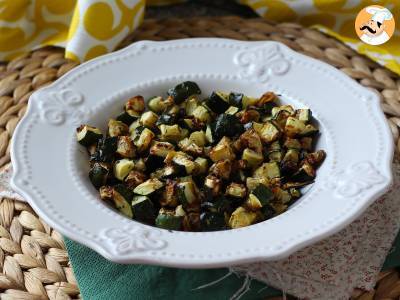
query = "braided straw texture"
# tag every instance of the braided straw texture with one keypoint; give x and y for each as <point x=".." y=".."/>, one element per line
<point x="33" y="261"/>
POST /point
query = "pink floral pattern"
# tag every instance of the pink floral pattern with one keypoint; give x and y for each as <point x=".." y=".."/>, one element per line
<point x="352" y="258"/>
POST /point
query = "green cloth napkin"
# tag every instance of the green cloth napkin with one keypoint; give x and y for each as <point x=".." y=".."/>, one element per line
<point x="101" y="279"/>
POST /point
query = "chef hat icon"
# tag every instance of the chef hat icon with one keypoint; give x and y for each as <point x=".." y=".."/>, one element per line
<point x="379" y="14"/>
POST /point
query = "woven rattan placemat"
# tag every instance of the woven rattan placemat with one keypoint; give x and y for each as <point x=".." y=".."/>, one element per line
<point x="33" y="261"/>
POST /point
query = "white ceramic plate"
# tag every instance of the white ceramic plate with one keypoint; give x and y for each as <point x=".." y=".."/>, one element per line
<point x="50" y="168"/>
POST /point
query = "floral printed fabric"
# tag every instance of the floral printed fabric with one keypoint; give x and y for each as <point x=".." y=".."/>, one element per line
<point x="352" y="258"/>
<point x="89" y="28"/>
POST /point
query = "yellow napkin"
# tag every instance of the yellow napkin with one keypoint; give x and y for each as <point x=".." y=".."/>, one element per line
<point x="89" y="28"/>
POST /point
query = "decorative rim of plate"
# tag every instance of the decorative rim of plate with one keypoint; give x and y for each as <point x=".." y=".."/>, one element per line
<point x="62" y="104"/>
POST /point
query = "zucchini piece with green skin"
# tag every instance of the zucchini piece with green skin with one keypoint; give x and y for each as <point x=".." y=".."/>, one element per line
<point x="105" y="150"/>
<point x="212" y="221"/>
<point x="189" y="147"/>
<point x="148" y="187"/>
<point x="117" y="128"/>
<point x="143" y="209"/>
<point x="288" y="108"/>
<point x="106" y="193"/>
<point x="226" y="125"/>
<point x="214" y="184"/>
<point x="122" y="197"/>
<point x="202" y="165"/>
<point x="267" y="212"/>
<point x="222" y="150"/>
<point x="217" y="102"/>
<point x="222" y="169"/>
<point x="144" y="140"/>
<point x="169" y="171"/>
<point x="135" y="178"/>
<point x="128" y="117"/>
<point x="304" y="115"/>
<point x="168" y="220"/>
<point x="187" y="194"/>
<point x="316" y="158"/>
<point x="98" y="174"/>
<point x="305" y="174"/>
<point x="199" y="138"/>
<point x="236" y="99"/>
<point x="306" y="143"/>
<point x="182" y="159"/>
<point x="190" y="105"/>
<point x="290" y="162"/>
<point x="183" y="91"/>
<point x="292" y="144"/>
<point x="122" y="168"/>
<point x="263" y="194"/>
<point x="88" y="135"/>
<point x="170" y="132"/>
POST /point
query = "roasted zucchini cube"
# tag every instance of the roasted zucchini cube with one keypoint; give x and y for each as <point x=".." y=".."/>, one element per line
<point x="88" y="135"/>
<point x="144" y="140"/>
<point x="135" y="103"/>
<point x="183" y="91"/>
<point x="189" y="147"/>
<point x="125" y="147"/>
<point x="158" y="104"/>
<point x="190" y="105"/>
<point x="106" y="193"/>
<point x="294" y="127"/>
<point x="222" y="150"/>
<point x="143" y="209"/>
<point x="268" y="170"/>
<point x="128" y="117"/>
<point x="287" y="108"/>
<point x="98" y="174"/>
<point x="269" y="132"/>
<point x="148" y="119"/>
<point x="188" y="194"/>
<point x="236" y="190"/>
<point x="117" y="128"/>
<point x="148" y="187"/>
<point x="290" y="162"/>
<point x="252" y="158"/>
<point x="250" y="139"/>
<point x="235" y="99"/>
<point x="249" y="101"/>
<point x="202" y="114"/>
<point x="232" y="110"/>
<point x="309" y="130"/>
<point x="135" y="178"/>
<point x="263" y="194"/>
<point x="217" y="102"/>
<point x="122" y="168"/>
<point x="242" y="217"/>
<point x="199" y="138"/>
<point x="304" y="115"/>
<point x="105" y="150"/>
<point x="161" y="148"/>
<point x="226" y="125"/>
<point x="253" y="182"/>
<point x="212" y="221"/>
<point x="292" y="144"/>
<point x="182" y="159"/>
<point x="122" y="196"/>
<point x="305" y="173"/>
<point x="315" y="159"/>
<point x="168" y="220"/>
<point x="222" y="168"/>
<point x="306" y="143"/>
<point x="214" y="184"/>
<point x="170" y="132"/>
<point x="282" y="196"/>
<point x="202" y="165"/>
<point x="170" y="195"/>
<point x="209" y="134"/>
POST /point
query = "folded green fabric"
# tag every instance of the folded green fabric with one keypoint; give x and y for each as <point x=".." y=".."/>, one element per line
<point x="101" y="279"/>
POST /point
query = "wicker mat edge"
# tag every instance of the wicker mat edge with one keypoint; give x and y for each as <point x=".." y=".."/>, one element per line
<point x="34" y="263"/>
